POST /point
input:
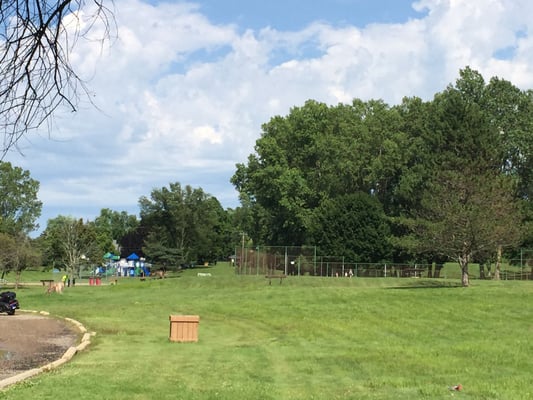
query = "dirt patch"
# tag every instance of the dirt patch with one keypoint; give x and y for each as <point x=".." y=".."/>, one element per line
<point x="30" y="340"/>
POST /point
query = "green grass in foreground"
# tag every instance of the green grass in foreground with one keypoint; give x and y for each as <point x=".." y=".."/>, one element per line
<point x="309" y="338"/>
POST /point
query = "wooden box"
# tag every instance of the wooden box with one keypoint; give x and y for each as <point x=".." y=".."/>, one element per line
<point x="184" y="328"/>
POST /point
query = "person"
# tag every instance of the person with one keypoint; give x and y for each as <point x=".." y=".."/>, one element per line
<point x="64" y="279"/>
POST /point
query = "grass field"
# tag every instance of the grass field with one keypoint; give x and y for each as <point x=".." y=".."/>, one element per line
<point x="309" y="338"/>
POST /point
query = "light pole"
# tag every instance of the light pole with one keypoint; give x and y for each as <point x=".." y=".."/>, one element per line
<point x="241" y="258"/>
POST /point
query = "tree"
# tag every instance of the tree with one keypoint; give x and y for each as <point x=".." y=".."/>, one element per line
<point x="115" y="224"/>
<point x="36" y="75"/>
<point x="211" y="225"/>
<point x="16" y="254"/>
<point x="68" y="243"/>
<point x="353" y="226"/>
<point x="26" y="256"/>
<point x="165" y="216"/>
<point x="19" y="206"/>
<point x="468" y="206"/>
<point x="111" y="227"/>
<point x="304" y="162"/>
<point x="7" y="252"/>
<point x="181" y="225"/>
<point x="134" y="241"/>
<point x="464" y="215"/>
<point x="313" y="154"/>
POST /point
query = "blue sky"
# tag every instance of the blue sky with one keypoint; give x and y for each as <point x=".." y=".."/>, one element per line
<point x="293" y="15"/>
<point x="182" y="91"/>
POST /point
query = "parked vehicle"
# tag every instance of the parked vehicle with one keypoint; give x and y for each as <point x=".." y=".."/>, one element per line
<point x="8" y="302"/>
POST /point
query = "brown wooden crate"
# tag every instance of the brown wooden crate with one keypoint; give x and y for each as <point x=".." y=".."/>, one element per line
<point x="184" y="328"/>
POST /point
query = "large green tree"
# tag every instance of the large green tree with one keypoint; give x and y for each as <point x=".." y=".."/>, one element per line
<point x="111" y="227"/>
<point x="19" y="206"/>
<point x="469" y="205"/>
<point x="304" y="163"/>
<point x="19" y="210"/>
<point x="465" y="216"/>
<point x="313" y="154"/>
<point x="115" y="224"/>
<point x="16" y="254"/>
<point x="70" y="244"/>
<point x="353" y="226"/>
<point x="182" y="225"/>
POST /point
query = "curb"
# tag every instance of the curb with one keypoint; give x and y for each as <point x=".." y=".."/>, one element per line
<point x="67" y="356"/>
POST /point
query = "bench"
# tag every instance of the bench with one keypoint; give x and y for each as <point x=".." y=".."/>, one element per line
<point x="275" y="276"/>
<point x="47" y="281"/>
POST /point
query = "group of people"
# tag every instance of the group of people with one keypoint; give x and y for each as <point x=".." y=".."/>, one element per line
<point x="67" y="281"/>
<point x="347" y="274"/>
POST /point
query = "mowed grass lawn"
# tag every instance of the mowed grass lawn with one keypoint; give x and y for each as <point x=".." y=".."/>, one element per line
<point x="309" y="338"/>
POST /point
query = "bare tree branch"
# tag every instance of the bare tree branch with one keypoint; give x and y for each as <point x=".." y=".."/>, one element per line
<point x="36" y="77"/>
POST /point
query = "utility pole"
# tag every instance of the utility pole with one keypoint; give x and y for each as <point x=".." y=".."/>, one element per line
<point x="242" y="251"/>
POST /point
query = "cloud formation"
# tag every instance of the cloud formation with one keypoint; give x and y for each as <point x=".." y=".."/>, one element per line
<point x="181" y="99"/>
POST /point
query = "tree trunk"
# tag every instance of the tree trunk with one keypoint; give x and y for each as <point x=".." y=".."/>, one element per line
<point x="464" y="276"/>
<point x="463" y="263"/>
<point x="17" y="280"/>
<point x="481" y="271"/>
<point x="498" y="264"/>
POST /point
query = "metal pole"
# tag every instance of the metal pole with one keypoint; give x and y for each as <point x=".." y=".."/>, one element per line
<point x="257" y="260"/>
<point x="242" y="252"/>
<point x="314" y="260"/>
<point x="286" y="261"/>
<point x="521" y="269"/>
<point x="236" y="269"/>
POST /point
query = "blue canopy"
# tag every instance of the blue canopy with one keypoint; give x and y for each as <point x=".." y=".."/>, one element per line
<point x="132" y="256"/>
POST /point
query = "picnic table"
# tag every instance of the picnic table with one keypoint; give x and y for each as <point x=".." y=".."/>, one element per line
<point x="47" y="281"/>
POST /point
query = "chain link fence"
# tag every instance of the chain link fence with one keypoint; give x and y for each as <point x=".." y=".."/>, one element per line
<point x="520" y="268"/>
<point x="303" y="260"/>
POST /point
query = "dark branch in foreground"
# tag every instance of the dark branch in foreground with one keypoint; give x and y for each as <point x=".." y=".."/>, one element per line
<point x="36" y="76"/>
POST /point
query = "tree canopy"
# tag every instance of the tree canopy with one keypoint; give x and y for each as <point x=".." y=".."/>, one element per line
<point x="69" y="243"/>
<point x="448" y="178"/>
<point x="182" y="225"/>
<point x="458" y="166"/>
<point x="19" y="205"/>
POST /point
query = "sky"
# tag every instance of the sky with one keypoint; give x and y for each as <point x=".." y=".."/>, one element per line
<point x="180" y="92"/>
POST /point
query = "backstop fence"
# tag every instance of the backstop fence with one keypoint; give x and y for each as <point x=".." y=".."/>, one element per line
<point x="523" y="267"/>
<point x="303" y="260"/>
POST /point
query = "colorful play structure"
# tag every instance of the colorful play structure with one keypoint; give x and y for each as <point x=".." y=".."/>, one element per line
<point x="131" y="266"/>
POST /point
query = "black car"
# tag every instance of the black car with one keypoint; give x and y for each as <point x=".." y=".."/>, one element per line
<point x="8" y="302"/>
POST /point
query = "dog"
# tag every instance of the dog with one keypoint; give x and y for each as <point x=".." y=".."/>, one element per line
<point x="56" y="287"/>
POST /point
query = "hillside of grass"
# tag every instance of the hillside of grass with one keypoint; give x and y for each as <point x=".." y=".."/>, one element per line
<point x="308" y="338"/>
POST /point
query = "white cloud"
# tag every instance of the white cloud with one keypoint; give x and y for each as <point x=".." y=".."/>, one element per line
<point x="181" y="99"/>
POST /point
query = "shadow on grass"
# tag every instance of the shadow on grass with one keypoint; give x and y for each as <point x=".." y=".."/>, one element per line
<point x="428" y="284"/>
